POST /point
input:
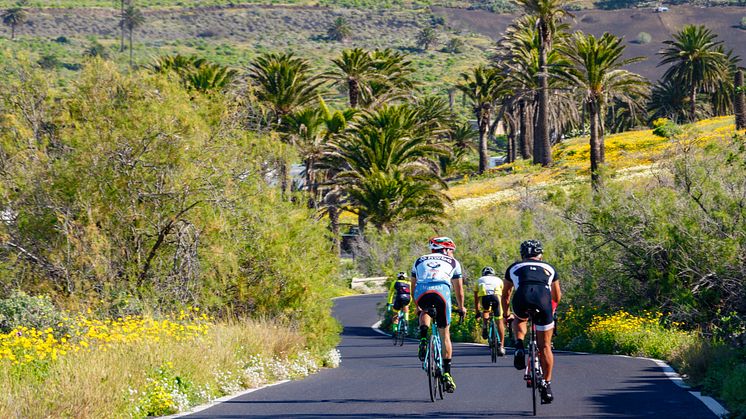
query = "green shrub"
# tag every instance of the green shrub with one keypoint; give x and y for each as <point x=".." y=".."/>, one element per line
<point x="643" y="38"/>
<point x="663" y="127"/>
<point x="733" y="384"/>
<point x="743" y="23"/>
<point x="21" y="309"/>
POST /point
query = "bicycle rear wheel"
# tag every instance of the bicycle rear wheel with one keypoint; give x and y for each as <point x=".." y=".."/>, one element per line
<point x="432" y="369"/>
<point x="532" y="367"/>
<point x="404" y="331"/>
<point x="493" y="341"/>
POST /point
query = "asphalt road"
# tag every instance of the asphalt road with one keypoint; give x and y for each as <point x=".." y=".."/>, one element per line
<point x="378" y="380"/>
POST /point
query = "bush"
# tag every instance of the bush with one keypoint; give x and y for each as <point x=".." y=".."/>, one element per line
<point x="733" y="394"/>
<point x="21" y="309"/>
<point x="49" y="62"/>
<point x="743" y="23"/>
<point x="643" y="38"/>
<point x="454" y="46"/>
<point x="663" y="127"/>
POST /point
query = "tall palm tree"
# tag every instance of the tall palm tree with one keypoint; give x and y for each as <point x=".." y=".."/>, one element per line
<point x="597" y="73"/>
<point x="283" y="83"/>
<point x="122" y="4"/>
<point x="695" y="61"/>
<point x="354" y="68"/>
<point x="548" y="15"/>
<point x="13" y="17"/>
<point x="482" y="86"/>
<point x="721" y="98"/>
<point x="133" y="19"/>
<point x="739" y="101"/>
<point x="393" y="81"/>
<point x="518" y="59"/>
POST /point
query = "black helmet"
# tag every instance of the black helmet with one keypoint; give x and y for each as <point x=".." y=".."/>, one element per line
<point x="401" y="275"/>
<point x="531" y="248"/>
<point x="488" y="270"/>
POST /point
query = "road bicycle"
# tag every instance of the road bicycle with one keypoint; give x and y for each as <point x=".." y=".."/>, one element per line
<point x="401" y="329"/>
<point x="533" y="373"/>
<point x="493" y="339"/>
<point x="433" y="364"/>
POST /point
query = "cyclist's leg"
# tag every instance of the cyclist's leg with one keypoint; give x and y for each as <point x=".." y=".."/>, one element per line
<point x="544" y="342"/>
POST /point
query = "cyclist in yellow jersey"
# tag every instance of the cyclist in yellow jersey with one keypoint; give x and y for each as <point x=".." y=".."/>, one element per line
<point x="487" y="291"/>
<point x="400" y="296"/>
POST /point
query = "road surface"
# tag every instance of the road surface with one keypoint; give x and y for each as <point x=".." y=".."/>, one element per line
<point x="378" y="380"/>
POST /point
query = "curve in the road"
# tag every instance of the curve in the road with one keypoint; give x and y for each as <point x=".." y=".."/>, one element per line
<point x="378" y="380"/>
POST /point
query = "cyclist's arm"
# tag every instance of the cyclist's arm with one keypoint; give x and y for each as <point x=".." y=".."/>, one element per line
<point x="392" y="291"/>
<point x="507" y="290"/>
<point x="458" y="289"/>
<point x="556" y="293"/>
<point x="476" y="301"/>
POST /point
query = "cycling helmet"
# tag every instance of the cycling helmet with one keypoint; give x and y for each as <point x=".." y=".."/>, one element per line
<point x="531" y="248"/>
<point x="488" y="270"/>
<point x="401" y="275"/>
<point x="440" y="243"/>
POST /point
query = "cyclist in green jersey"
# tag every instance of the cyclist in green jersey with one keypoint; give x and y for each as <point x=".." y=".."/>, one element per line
<point x="487" y="290"/>
<point x="400" y="296"/>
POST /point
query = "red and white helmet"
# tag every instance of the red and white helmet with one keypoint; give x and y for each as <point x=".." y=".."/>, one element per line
<point x="438" y="243"/>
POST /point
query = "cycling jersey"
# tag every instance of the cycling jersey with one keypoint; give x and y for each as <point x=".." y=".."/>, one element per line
<point x="399" y="294"/>
<point x="434" y="273"/>
<point x="532" y="280"/>
<point x="488" y="285"/>
<point x="436" y="268"/>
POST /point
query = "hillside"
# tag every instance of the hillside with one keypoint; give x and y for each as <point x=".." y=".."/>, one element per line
<point x="233" y="34"/>
<point x="629" y="155"/>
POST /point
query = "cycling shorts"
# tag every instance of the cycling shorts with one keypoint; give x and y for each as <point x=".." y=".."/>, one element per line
<point x="530" y="297"/>
<point x="401" y="301"/>
<point x="492" y="301"/>
<point x="438" y="295"/>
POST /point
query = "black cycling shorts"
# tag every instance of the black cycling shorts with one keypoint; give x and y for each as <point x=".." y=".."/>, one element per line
<point x="491" y="301"/>
<point x="433" y="299"/>
<point x="401" y="301"/>
<point x="534" y="297"/>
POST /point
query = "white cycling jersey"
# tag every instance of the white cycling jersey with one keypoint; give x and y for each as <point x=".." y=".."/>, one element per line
<point x="436" y="268"/>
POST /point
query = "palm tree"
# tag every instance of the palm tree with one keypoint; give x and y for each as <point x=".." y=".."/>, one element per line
<point x="597" y="73"/>
<point x="339" y="30"/>
<point x="393" y="80"/>
<point x="355" y="68"/>
<point x="426" y="38"/>
<point x="133" y="19"/>
<point x="696" y="62"/>
<point x="739" y="101"/>
<point x="122" y="4"/>
<point x="669" y="99"/>
<point x="283" y="83"/>
<point x="482" y="86"/>
<point x="380" y="144"/>
<point x="722" y="95"/>
<point x="547" y="14"/>
<point x="95" y="49"/>
<point x="210" y="77"/>
<point x="461" y="138"/>
<point x="13" y="17"/>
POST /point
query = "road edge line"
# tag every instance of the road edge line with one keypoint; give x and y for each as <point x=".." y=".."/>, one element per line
<point x="715" y="407"/>
<point x="197" y="409"/>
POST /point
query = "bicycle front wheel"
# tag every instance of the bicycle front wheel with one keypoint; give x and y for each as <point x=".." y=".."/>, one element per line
<point x="402" y="332"/>
<point x="493" y="342"/>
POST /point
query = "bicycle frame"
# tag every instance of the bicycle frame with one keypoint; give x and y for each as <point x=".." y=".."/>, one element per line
<point x="434" y="372"/>
<point x="533" y="372"/>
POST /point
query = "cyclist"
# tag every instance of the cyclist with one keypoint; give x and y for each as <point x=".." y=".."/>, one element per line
<point x="433" y="276"/>
<point x="488" y="290"/>
<point x="536" y="286"/>
<point x="399" y="296"/>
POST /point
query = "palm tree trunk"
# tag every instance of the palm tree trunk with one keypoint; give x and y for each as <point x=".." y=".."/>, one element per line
<point x="523" y="138"/>
<point x="542" y="145"/>
<point x="121" y="26"/>
<point x="362" y="218"/>
<point x="739" y="102"/>
<point x="510" y="152"/>
<point x="483" y="116"/>
<point x="131" y="30"/>
<point x="13" y="32"/>
<point x="354" y="92"/>
<point x="334" y="223"/>
<point x="595" y="147"/>
<point x="692" y="102"/>
<point x="310" y="184"/>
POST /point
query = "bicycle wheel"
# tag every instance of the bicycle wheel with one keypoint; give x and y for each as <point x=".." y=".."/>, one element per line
<point x="403" y="329"/>
<point x="432" y="369"/>
<point x="493" y="341"/>
<point x="532" y="367"/>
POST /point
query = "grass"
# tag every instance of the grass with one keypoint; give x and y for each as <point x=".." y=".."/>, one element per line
<point x="155" y="376"/>
<point x="626" y="154"/>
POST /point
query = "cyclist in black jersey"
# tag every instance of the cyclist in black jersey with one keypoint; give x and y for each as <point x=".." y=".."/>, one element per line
<point x="535" y="284"/>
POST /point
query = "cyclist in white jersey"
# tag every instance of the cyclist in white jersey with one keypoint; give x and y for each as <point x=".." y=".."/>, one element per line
<point x="487" y="291"/>
<point x="433" y="275"/>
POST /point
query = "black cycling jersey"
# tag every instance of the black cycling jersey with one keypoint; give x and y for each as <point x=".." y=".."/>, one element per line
<point x="535" y="272"/>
